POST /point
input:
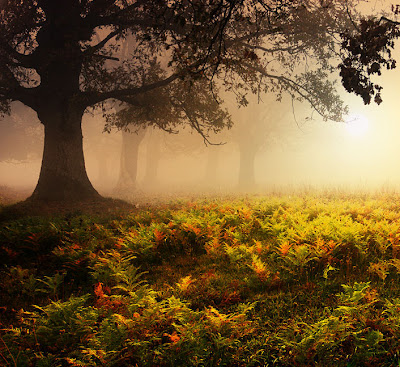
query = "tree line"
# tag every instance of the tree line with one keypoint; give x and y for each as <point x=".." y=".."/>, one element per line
<point x="168" y="64"/>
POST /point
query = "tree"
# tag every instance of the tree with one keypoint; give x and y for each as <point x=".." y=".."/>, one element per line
<point x="262" y="122"/>
<point x="60" y="58"/>
<point x="101" y="150"/>
<point x="266" y="119"/>
<point x="165" y="108"/>
<point x="129" y="159"/>
<point x="367" y="48"/>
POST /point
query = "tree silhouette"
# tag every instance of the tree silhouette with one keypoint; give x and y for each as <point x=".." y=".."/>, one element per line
<point x="61" y="57"/>
<point x="367" y="49"/>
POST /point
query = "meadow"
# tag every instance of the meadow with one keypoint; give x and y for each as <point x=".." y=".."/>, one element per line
<point x="276" y="280"/>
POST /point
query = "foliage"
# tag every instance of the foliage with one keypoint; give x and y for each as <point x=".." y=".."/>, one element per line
<point x="280" y="281"/>
<point x="166" y="59"/>
<point x="129" y="50"/>
<point x="367" y="49"/>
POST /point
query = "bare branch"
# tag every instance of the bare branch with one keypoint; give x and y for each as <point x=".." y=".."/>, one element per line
<point x="389" y="20"/>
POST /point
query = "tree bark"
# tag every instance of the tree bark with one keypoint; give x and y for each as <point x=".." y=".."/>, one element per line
<point x="129" y="159"/>
<point x="63" y="176"/>
<point x="246" y="168"/>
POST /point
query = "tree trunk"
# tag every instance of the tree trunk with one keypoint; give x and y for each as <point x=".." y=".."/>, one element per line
<point x="153" y="155"/>
<point x="63" y="176"/>
<point x="246" y="168"/>
<point x="103" y="174"/>
<point x="129" y="159"/>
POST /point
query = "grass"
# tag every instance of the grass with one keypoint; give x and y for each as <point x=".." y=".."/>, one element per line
<point x="301" y="280"/>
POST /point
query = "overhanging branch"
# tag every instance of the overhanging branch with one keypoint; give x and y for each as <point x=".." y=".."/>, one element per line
<point x="92" y="49"/>
<point x="92" y="98"/>
<point x="106" y="57"/>
<point x="296" y="87"/>
<point x="389" y="21"/>
<point x="12" y="54"/>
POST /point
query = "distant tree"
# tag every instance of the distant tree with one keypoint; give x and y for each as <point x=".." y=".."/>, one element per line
<point x="21" y="136"/>
<point x="157" y="149"/>
<point x="163" y="149"/>
<point x="61" y="57"/>
<point x="165" y="108"/>
<point x="250" y="144"/>
<point x="256" y="126"/>
<point x="127" y="180"/>
<point x="101" y="149"/>
<point x="152" y="158"/>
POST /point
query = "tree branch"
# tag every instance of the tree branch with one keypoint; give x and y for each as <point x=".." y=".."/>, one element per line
<point x="91" y="98"/>
<point x="193" y="121"/>
<point x="272" y="50"/>
<point x="389" y="20"/>
<point x="12" y="54"/>
<point x="24" y="95"/>
<point x="97" y="19"/>
<point x="294" y="86"/>
<point x="92" y="49"/>
<point x="106" y="57"/>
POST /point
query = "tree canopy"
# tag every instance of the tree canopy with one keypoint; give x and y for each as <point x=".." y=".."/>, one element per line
<point x="60" y="58"/>
<point x="367" y="49"/>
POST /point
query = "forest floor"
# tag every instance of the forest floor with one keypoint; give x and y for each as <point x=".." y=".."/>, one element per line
<point x="307" y="279"/>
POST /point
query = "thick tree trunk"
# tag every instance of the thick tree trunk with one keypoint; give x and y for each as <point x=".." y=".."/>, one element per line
<point x="246" y="168"/>
<point x="60" y="105"/>
<point x="63" y="174"/>
<point x="129" y="160"/>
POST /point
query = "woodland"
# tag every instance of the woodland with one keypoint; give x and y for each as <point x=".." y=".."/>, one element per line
<point x="301" y="278"/>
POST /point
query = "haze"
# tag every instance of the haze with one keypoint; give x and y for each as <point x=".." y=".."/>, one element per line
<point x="291" y="145"/>
<point x="292" y="151"/>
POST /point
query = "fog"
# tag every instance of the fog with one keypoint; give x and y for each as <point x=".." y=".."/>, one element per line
<point x="292" y="150"/>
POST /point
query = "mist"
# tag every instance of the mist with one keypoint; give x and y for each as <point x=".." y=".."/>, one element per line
<point x="293" y="149"/>
<point x="272" y="146"/>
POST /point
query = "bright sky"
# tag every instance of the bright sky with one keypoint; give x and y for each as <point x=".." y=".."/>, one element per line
<point x="357" y="125"/>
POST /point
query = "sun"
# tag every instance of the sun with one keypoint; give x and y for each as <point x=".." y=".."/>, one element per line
<point x="357" y="125"/>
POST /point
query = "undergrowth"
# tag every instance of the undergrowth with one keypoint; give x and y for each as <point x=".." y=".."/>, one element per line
<point x="273" y="281"/>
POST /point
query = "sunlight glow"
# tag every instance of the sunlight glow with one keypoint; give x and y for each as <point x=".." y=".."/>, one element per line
<point x="357" y="125"/>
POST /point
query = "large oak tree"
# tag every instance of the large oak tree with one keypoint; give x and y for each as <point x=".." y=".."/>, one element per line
<point x="62" y="57"/>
